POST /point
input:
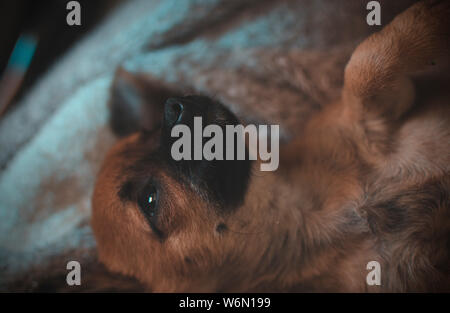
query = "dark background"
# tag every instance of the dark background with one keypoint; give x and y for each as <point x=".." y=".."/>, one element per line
<point x="47" y="21"/>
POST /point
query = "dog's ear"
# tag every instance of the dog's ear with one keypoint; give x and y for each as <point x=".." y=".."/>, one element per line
<point x="137" y="102"/>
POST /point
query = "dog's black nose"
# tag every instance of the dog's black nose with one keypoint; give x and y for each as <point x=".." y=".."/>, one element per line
<point x="173" y="111"/>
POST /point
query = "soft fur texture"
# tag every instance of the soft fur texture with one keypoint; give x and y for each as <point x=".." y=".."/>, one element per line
<point x="367" y="179"/>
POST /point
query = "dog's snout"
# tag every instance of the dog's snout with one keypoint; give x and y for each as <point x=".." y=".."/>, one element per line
<point x="184" y="110"/>
<point x="173" y="112"/>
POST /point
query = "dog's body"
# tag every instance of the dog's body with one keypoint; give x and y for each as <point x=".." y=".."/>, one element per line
<point x="367" y="180"/>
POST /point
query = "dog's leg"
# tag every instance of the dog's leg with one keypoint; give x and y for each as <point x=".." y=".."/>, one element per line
<point x="377" y="75"/>
<point x="377" y="86"/>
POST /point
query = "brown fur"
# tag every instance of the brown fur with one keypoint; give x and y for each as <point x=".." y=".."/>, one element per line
<point x="368" y="179"/>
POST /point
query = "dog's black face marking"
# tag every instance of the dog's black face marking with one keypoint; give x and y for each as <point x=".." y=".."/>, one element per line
<point x="221" y="228"/>
<point x="223" y="182"/>
<point x="126" y="191"/>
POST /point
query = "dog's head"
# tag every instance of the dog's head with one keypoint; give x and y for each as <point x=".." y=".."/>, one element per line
<point x="180" y="225"/>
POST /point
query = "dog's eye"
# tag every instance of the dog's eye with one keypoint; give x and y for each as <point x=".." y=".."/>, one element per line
<point x="147" y="202"/>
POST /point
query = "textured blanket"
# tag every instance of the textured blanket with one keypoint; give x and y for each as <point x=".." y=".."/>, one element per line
<point x="279" y="60"/>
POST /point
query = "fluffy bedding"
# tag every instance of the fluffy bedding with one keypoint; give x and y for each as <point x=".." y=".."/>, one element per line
<point x="280" y="60"/>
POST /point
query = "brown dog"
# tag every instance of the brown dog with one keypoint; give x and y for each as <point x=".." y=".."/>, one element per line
<point x="368" y="180"/>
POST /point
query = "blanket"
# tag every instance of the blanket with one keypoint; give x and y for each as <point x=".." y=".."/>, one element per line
<point x="279" y="61"/>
